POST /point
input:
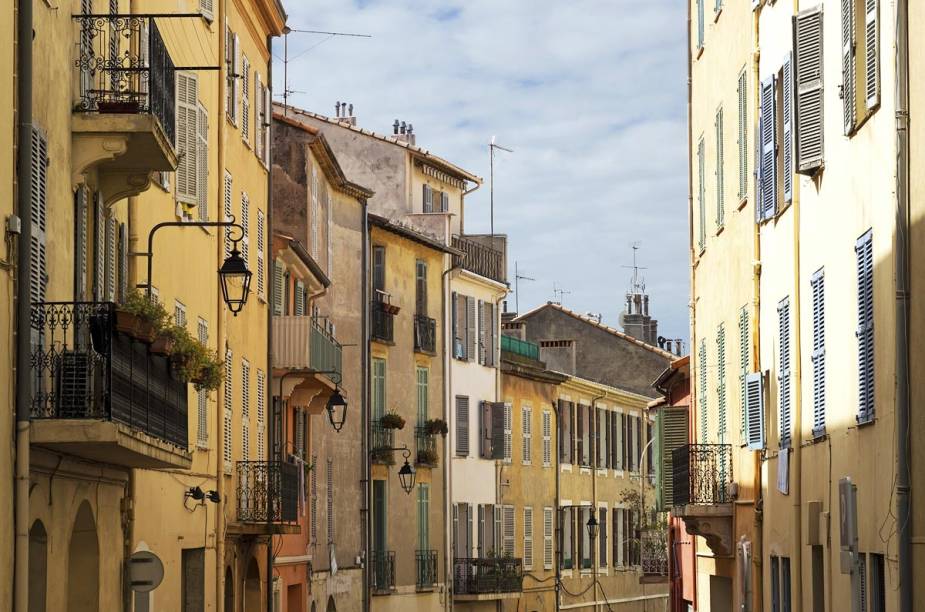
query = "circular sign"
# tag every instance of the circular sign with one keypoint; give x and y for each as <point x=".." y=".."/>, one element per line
<point x="145" y="571"/>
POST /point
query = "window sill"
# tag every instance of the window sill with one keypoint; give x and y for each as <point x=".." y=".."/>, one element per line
<point x="867" y="422"/>
<point x="565" y="467"/>
<point x="584" y="470"/>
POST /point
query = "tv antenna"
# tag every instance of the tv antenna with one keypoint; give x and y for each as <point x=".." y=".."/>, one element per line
<point x="517" y="278"/>
<point x="638" y="284"/>
<point x="491" y="182"/>
<point x="559" y="293"/>
<point x="286" y="32"/>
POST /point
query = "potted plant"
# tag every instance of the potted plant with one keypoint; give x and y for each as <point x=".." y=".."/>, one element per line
<point x="392" y="420"/>
<point x="432" y="427"/>
<point x="427" y="456"/>
<point x="140" y="317"/>
<point x="187" y="354"/>
<point x="118" y="106"/>
<point x="211" y="372"/>
<point x="382" y="455"/>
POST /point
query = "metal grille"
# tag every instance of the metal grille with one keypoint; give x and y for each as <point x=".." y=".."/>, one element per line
<point x="382" y="439"/>
<point x="487" y="575"/>
<point x="480" y="259"/>
<point x="697" y="474"/>
<point x="383" y="321"/>
<point x="382" y="574"/>
<point x="425" y="334"/>
<point x="426" y="568"/>
<point x="426" y="446"/>
<point x="267" y="491"/>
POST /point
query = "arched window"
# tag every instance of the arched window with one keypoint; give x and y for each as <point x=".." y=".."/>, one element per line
<point x="83" y="563"/>
<point x="38" y="566"/>
<point x="229" y="590"/>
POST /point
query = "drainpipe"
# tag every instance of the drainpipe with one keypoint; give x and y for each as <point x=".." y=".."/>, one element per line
<point x="595" y="560"/>
<point x="364" y="411"/>
<point x="267" y="390"/>
<point x="220" y="343"/>
<point x="558" y="530"/>
<point x="447" y="403"/>
<point x="903" y="442"/>
<point x="23" y="304"/>
<point x="692" y="304"/>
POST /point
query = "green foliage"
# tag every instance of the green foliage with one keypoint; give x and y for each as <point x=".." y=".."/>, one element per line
<point x="392" y="420"/>
<point x="151" y="311"/>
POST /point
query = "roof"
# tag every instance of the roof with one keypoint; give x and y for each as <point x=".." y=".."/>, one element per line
<point x="299" y="249"/>
<point x="411" y="234"/>
<point x="414" y="149"/>
<point x="598" y="324"/>
<point x="669" y="372"/>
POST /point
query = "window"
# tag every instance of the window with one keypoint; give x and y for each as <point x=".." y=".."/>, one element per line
<point x="192" y="581"/>
<point x="462" y="426"/>
<point x="766" y="179"/>
<point x="259" y="116"/>
<point x="547" y="438"/>
<point x="626" y="543"/>
<point x="464" y="311"/>
<point x="720" y="205"/>
<point x="744" y="363"/>
<point x="743" y="134"/>
<point x="508" y="427"/>
<point x="526" y="416"/>
<point x="228" y="399"/>
<point x="783" y="372"/>
<point x="700" y="24"/>
<point x="187" y="137"/>
<point x="422" y="376"/>
<point x="547" y="538"/>
<point x="818" y="577"/>
<point x="528" y="538"/>
<point x="584" y="538"/>
<point x="245" y="408"/>
<point x="865" y="333"/>
<point x="817" y="283"/>
<point x="423" y="516"/>
<point x="245" y="100"/>
<point x="860" y="61"/>
<point x="602" y="537"/>
<point x="428" y="199"/>
<point x="672" y="426"/>
<point x="420" y="287"/>
<point x="566" y="533"/>
<point x="600" y="435"/>
<point x="231" y="70"/>
<point x="261" y="247"/>
<point x="202" y="396"/>
<point x="702" y="391"/>
<point x="487" y="333"/>
<point x="877" y="587"/>
<point x="378" y="269"/>
<point x="486" y="537"/>
<point x="721" y="383"/>
<point x="378" y="388"/>
<point x="179" y="313"/>
<point x="701" y="193"/>
<point x="507" y="530"/>
<point x="261" y="416"/>
<point x="264" y="116"/>
<point x="780" y="584"/>
<point x="809" y="89"/>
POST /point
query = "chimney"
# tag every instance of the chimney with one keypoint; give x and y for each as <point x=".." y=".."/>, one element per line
<point x="403" y="132"/>
<point x="343" y="112"/>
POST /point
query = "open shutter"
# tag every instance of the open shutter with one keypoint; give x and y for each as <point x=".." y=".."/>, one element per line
<point x="462" y="426"/>
<point x="187" y="135"/>
<point x="123" y="262"/>
<point x="99" y="248"/>
<point x="245" y="100"/>
<point x="279" y="287"/>
<point x="80" y="244"/>
<point x="872" y="52"/>
<point x="266" y="122"/>
<point x="809" y="88"/>
<point x="768" y="196"/>
<point x="720" y="203"/>
<point x="702" y="388"/>
<point x="754" y="411"/>
<point x="580" y="434"/>
<point x="547" y="538"/>
<point x="848" y="71"/>
<point x="38" y="273"/>
<point x="482" y="329"/>
<point x="783" y="373"/>
<point x="701" y="195"/>
<point x="444" y="201"/>
<point x="817" y="282"/>
<point x="428" y="199"/>
<point x="111" y="252"/>
<point x="261" y="257"/>
<point x="470" y="328"/>
<point x="235" y="74"/>
<point x="420" y="293"/>
<point x="499" y="437"/>
<point x="206" y="7"/>
<point x="742" y="91"/>
<point x="226" y="205"/>
<point x="299" y="298"/>
<point x="258" y="116"/>
<point x="528" y="538"/>
<point x="202" y="152"/>
<point x="787" y="94"/>
<point x="700" y="24"/>
<point x="865" y="333"/>
<point x="672" y="426"/>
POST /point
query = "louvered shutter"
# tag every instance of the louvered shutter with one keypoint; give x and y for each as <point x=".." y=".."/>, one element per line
<point x="299" y="298"/>
<point x="508" y="431"/>
<point x="202" y="415"/>
<point x="547" y="438"/>
<point x="700" y="24"/>
<point x="123" y="262"/>
<point x="110" y="259"/>
<point x="720" y="203"/>
<point x="379" y="268"/>
<point x="872" y="52"/>
<point x="702" y="395"/>
<point x="235" y="74"/>
<point x="507" y="533"/>
<point x="615" y="442"/>
<point x="261" y="257"/>
<point x="492" y="333"/>
<point x="817" y="282"/>
<point x="742" y="91"/>
<point x="809" y="90"/>
<point x="672" y="430"/>
<point x="226" y="206"/>
<point x="266" y="124"/>
<point x="258" y="116"/>
<point x="547" y="538"/>
<point x="787" y="157"/>
<point x="865" y="333"/>
<point x="228" y="399"/>
<point x="783" y="373"/>
<point x="768" y="135"/>
<point x="261" y="415"/>
<point x="444" y="201"/>
<point x="245" y="100"/>
<point x="563" y="426"/>
<point x="202" y="152"/>
<point x="279" y="287"/>
<point x="187" y="135"/>
<point x="462" y="426"/>
<point x="38" y="273"/>
<point x="244" y="244"/>
<point x="80" y="244"/>
<point x="528" y="538"/>
<point x="754" y="411"/>
<point x="701" y="196"/>
<point x="482" y="341"/>
<point x="496" y="425"/>
<point x="428" y="199"/>
<point x="526" y="415"/>
<point x="580" y="435"/>
<point x="848" y="59"/>
<point x="206" y="8"/>
<point x="420" y="293"/>
<point x="721" y="387"/>
<point x="470" y="328"/>
<point x="744" y="363"/>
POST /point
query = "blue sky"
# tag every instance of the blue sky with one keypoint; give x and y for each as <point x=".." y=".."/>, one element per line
<point x="590" y="95"/>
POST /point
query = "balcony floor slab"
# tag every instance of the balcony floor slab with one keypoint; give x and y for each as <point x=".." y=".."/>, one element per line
<point x="464" y="597"/>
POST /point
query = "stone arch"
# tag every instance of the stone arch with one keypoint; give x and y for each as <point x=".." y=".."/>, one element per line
<point x="229" y="590"/>
<point x="252" y="599"/>
<point x="38" y="566"/>
<point x="332" y="607"/>
<point x="83" y="563"/>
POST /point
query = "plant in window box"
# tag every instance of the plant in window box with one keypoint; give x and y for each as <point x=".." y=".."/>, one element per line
<point x="432" y="427"/>
<point x="140" y="317"/>
<point x="392" y="420"/>
<point x="211" y="372"/>
<point x="382" y="455"/>
<point x="427" y="456"/>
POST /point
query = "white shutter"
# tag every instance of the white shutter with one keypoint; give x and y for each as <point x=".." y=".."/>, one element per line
<point x="528" y="538"/>
<point x="872" y="52"/>
<point x="428" y="199"/>
<point x="526" y="415"/>
<point x="818" y="357"/>
<point x="701" y="195"/>
<point x="38" y="280"/>
<point x="261" y="246"/>
<point x="226" y="212"/>
<point x="743" y="134"/>
<point x="547" y="438"/>
<point x="202" y="420"/>
<point x="202" y="153"/>
<point x="187" y="134"/>
<point x="267" y="121"/>
<point x="123" y="263"/>
<point x="848" y="59"/>
<point x="245" y="100"/>
<point x="809" y="88"/>
<point x="207" y="9"/>
<point x="507" y="530"/>
<point x="228" y="399"/>
<point x="547" y="538"/>
<point x="754" y="411"/>
<point x="244" y="221"/>
<point x="236" y="71"/>
<point x="720" y="203"/>
<point x="279" y="287"/>
<point x="258" y="116"/>
<point x="507" y="432"/>
<point x="261" y="415"/>
<point x="767" y="204"/>
<point x="783" y="372"/>
<point x="787" y="157"/>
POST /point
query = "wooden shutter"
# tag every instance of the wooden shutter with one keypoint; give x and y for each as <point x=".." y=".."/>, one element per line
<point x="720" y="204"/>
<point x="299" y="298"/>
<point x="38" y="273"/>
<point x="279" y="287"/>
<point x="428" y="199"/>
<point x="528" y="538"/>
<point x="99" y="247"/>
<point x="672" y="431"/>
<point x="379" y="268"/>
<point x="202" y="153"/>
<point x="470" y="328"/>
<point x="80" y="244"/>
<point x="783" y="372"/>
<point x="507" y="531"/>
<point x="187" y="135"/>
<point x="227" y="422"/>
<point x="498" y="430"/>
<point x="526" y="426"/>
<point x="787" y="157"/>
<point x="110" y="258"/>
<point x="508" y="431"/>
<point x="754" y="411"/>
<point x="701" y="195"/>
<point x="547" y="538"/>
<point x="378" y="389"/>
<point x="721" y="383"/>
<point x="872" y="52"/>
<point x="563" y="425"/>
<point x="744" y="363"/>
<point x="261" y="247"/>
<point x="123" y="263"/>
<point x="462" y="426"/>
<point x="206" y="8"/>
<point x="702" y="390"/>
<point x="244" y="221"/>
<point x="482" y="329"/>
<point x="817" y="282"/>
<point x="547" y="438"/>
<point x="580" y="434"/>
<point x="420" y="293"/>
<point x="768" y="198"/>
<point x="809" y="90"/>
<point x="614" y="442"/>
<point x="444" y="201"/>
<point x="245" y="100"/>
<point x="235" y="73"/>
<point x="266" y="123"/>
<point x="742" y="91"/>
<point x="700" y="24"/>
<point x="258" y="116"/>
<point x="226" y="203"/>
<point x="848" y="71"/>
<point x="865" y="333"/>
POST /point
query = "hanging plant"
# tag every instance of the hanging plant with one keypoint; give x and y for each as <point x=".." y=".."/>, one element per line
<point x="433" y="427"/>
<point x="211" y="373"/>
<point x="140" y="317"/>
<point x="392" y="420"/>
<point x="427" y="456"/>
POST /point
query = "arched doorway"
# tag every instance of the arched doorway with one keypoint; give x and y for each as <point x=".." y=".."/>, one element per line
<point x="38" y="566"/>
<point x="331" y="606"/>
<point x="252" y="600"/>
<point x="229" y="590"/>
<point x="83" y="563"/>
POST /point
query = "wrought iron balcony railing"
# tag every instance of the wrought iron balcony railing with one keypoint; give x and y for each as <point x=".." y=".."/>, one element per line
<point x="520" y="347"/>
<point x="382" y="571"/>
<point x="654" y="552"/>
<point x="82" y="368"/>
<point x="701" y="473"/>
<point x="267" y="491"/>
<point x="425" y="446"/>
<point x="382" y="439"/>
<point x="426" y="568"/>
<point x="480" y="258"/>
<point x="382" y="317"/>
<point x="326" y="351"/>
<point x="425" y="334"/>
<point x="487" y="575"/>
<point x="124" y="67"/>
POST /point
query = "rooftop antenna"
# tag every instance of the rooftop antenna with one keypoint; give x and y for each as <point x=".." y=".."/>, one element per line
<point x="286" y="32"/>
<point x="638" y="284"/>
<point x="558" y="292"/>
<point x="517" y="277"/>
<point x="491" y="182"/>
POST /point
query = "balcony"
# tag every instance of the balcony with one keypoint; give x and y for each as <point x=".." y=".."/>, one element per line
<point x="654" y="559"/>
<point x="381" y="440"/>
<point x="101" y="395"/>
<point x="702" y="479"/>
<point x="305" y="343"/>
<point x="382" y="571"/>
<point x="382" y="317"/>
<point x="124" y="117"/>
<point x="425" y="562"/>
<point x="523" y="348"/>
<point x="487" y="578"/>
<point x="267" y="498"/>
<point x="482" y="256"/>
<point x="425" y="445"/>
<point x="425" y="334"/>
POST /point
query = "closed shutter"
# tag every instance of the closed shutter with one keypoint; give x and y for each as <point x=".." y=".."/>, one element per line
<point x="721" y="387"/>
<point x="744" y="363"/>
<point x="720" y="204"/>
<point x="580" y="435"/>
<point x="743" y="134"/>
<point x="330" y="503"/>
<point x="187" y="135"/>
<point x="865" y="333"/>
<point x="482" y="340"/>
<point x="672" y="427"/>
<point x="526" y="416"/>
<point x="202" y="152"/>
<point x="379" y="268"/>
<point x="245" y="100"/>
<point x="462" y="426"/>
<point x="38" y="273"/>
<point x="547" y="438"/>
<point x="787" y="157"/>
<point x="279" y="287"/>
<point x="809" y="90"/>
<point x="528" y="538"/>
<point x="313" y="504"/>
<point x="261" y="247"/>
<point x="508" y="430"/>
<point x="847" y="64"/>
<point x="783" y="373"/>
<point x="615" y="442"/>
<point x="444" y="201"/>
<point x="111" y="258"/>
<point x="470" y="328"/>
<point x="428" y="199"/>
<point x="702" y="388"/>
<point x="547" y="538"/>
<point x="507" y="531"/>
<point x="244" y="244"/>
<point x="456" y="347"/>
<point x="123" y="263"/>
<point x="228" y="399"/>
<point x="226" y="204"/>
<point x="420" y="294"/>
<point x="315" y="203"/>
<point x="872" y="52"/>
<point x="202" y="409"/>
<point x="423" y="516"/>
<point x="754" y="411"/>
<point x="701" y="195"/>
<point x="299" y="298"/>
<point x="817" y="282"/>
<point x="80" y="244"/>
<point x="300" y="433"/>
<point x="261" y="416"/>
<point x="378" y="389"/>
<point x="767" y="204"/>
<point x="564" y="427"/>
<point x="245" y="410"/>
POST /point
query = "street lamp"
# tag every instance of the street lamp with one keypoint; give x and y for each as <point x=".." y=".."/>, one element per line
<point x="236" y="280"/>
<point x="337" y="410"/>
<point x="406" y="477"/>
<point x="592" y="525"/>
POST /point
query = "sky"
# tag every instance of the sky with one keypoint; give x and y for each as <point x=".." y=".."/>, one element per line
<point x="590" y="95"/>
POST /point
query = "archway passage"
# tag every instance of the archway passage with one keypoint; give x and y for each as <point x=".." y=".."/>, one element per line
<point x="38" y="566"/>
<point x="331" y="606"/>
<point x="229" y="590"/>
<point x="252" y="599"/>
<point x="83" y="563"/>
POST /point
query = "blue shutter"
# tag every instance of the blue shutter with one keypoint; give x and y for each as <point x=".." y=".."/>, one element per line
<point x="783" y="373"/>
<point x="809" y="89"/>
<point x="788" y="128"/>
<point x="768" y="137"/>
<point x="865" y="333"/>
<point x="754" y="411"/>
<point x="818" y="289"/>
<point x="872" y="52"/>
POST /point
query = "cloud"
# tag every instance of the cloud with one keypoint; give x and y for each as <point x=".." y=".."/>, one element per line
<point x="590" y="94"/>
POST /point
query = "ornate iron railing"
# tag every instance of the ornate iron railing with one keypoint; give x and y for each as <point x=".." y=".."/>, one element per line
<point x="382" y="571"/>
<point x="425" y="334"/>
<point x="425" y="562"/>
<point x="267" y="491"/>
<point x="382" y="439"/>
<point x="520" y="347"/>
<point x="480" y="259"/>
<point x="82" y="368"/>
<point x="124" y="67"/>
<point x="382" y="318"/>
<point x="487" y="575"/>
<point x="326" y="351"/>
<point x="654" y="552"/>
<point x="701" y="473"/>
<point x="425" y="445"/>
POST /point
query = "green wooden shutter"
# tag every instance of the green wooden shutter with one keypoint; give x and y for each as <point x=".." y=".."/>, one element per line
<point x="809" y="90"/>
<point x="422" y="403"/>
<point x="672" y="431"/>
<point x="865" y="333"/>
<point x="783" y="373"/>
<point x="279" y="287"/>
<point x="721" y="388"/>
<point x="744" y="363"/>
<point x="818" y="289"/>
<point x="720" y="205"/>
<point x="378" y="390"/>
